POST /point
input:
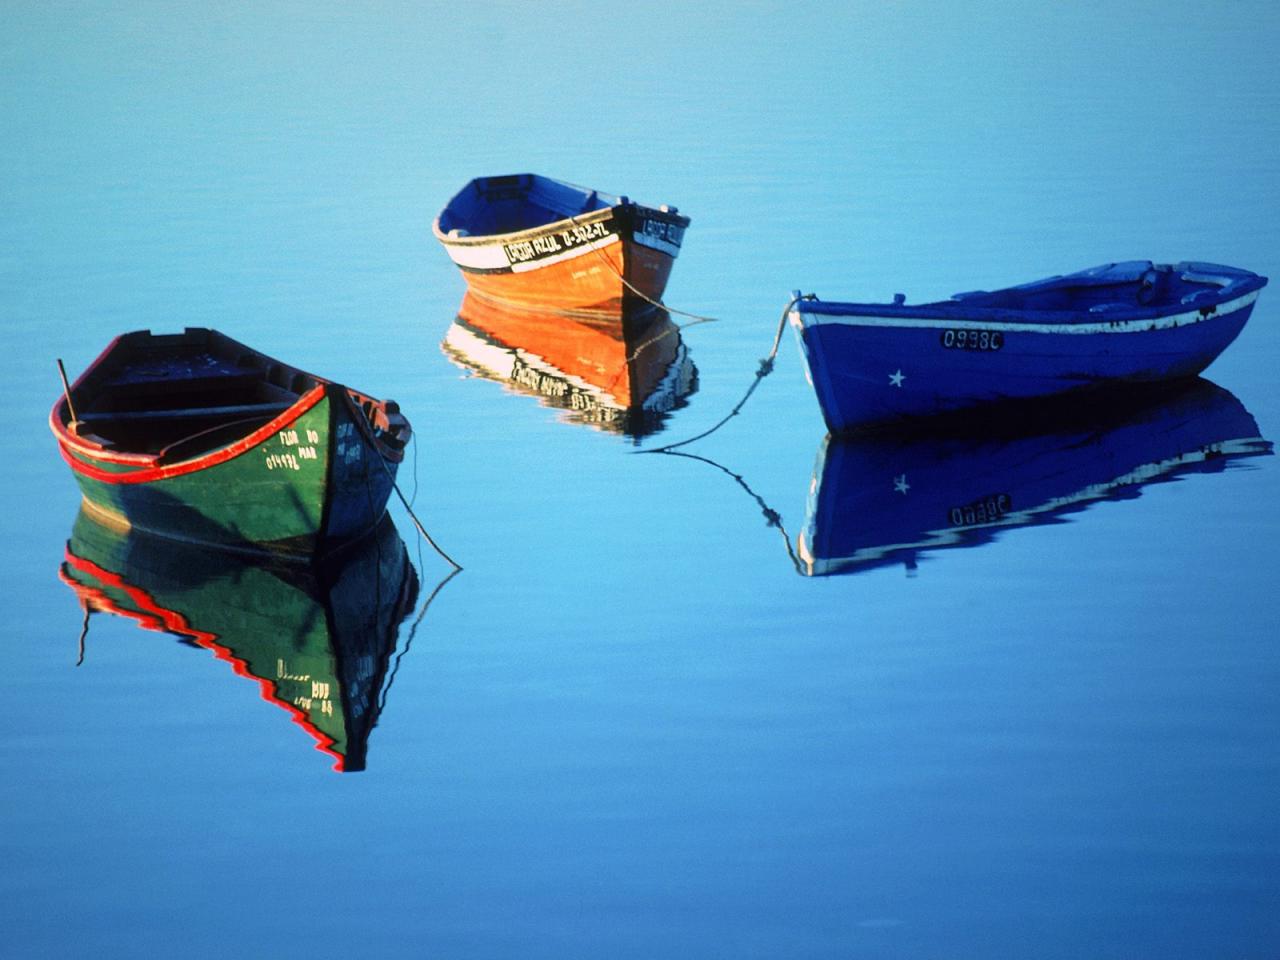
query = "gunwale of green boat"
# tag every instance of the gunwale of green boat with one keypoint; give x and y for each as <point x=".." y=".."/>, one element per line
<point x="146" y="401"/>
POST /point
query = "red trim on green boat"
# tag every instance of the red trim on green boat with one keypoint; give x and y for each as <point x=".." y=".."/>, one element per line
<point x="148" y="472"/>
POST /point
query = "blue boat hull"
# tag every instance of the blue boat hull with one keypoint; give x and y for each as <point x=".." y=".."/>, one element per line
<point x="875" y="363"/>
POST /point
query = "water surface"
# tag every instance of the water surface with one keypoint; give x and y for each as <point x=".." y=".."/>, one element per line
<point x="629" y="727"/>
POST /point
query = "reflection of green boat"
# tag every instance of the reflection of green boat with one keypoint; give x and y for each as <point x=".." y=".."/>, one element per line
<point x="317" y="639"/>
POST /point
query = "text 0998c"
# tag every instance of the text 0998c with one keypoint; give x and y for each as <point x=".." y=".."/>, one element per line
<point x="972" y="339"/>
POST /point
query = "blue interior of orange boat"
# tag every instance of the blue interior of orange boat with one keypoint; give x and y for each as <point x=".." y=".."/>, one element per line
<point x="521" y="201"/>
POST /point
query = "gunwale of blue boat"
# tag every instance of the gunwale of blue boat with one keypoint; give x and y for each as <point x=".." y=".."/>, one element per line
<point x="1134" y="321"/>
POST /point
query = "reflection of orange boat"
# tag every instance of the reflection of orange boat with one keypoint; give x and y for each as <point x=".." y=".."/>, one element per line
<point x="318" y="640"/>
<point x="539" y="243"/>
<point x="621" y="371"/>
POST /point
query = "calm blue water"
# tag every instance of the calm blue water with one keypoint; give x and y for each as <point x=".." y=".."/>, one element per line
<point x="629" y="728"/>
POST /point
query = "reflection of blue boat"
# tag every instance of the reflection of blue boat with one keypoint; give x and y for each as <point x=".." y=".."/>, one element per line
<point x="1133" y="321"/>
<point x="877" y="500"/>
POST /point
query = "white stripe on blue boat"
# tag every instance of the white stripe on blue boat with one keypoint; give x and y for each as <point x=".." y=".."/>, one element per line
<point x="802" y="318"/>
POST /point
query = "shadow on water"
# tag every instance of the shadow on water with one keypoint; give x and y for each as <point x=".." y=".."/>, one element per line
<point x="619" y="370"/>
<point x="884" y="498"/>
<point x="318" y="639"/>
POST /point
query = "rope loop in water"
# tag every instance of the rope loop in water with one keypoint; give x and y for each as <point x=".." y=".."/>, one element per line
<point x="766" y="368"/>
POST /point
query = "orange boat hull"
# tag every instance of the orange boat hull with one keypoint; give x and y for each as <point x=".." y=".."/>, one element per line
<point x="598" y="279"/>
<point x="531" y="243"/>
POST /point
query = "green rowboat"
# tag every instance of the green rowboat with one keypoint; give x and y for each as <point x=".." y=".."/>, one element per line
<point x="197" y="437"/>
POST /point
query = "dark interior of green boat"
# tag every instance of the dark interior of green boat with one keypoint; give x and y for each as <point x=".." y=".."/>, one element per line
<point x="522" y="201"/>
<point x="181" y="396"/>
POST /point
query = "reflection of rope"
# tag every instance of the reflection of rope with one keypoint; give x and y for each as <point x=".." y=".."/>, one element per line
<point x="84" y="632"/>
<point x="771" y="516"/>
<point x="766" y="368"/>
<point x="674" y="328"/>
<point x="395" y="667"/>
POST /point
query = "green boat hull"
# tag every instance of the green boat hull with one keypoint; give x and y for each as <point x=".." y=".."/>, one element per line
<point x="197" y="437"/>
<point x="313" y="483"/>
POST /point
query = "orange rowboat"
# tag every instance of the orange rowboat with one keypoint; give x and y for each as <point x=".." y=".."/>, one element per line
<point x="536" y="243"/>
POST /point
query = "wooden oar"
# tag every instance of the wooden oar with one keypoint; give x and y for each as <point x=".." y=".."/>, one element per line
<point x="66" y="392"/>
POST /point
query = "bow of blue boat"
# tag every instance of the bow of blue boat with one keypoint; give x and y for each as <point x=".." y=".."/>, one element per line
<point x="1135" y="321"/>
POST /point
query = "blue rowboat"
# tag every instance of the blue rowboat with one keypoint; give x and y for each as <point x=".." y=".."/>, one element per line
<point x="1134" y="321"/>
<point x="887" y="498"/>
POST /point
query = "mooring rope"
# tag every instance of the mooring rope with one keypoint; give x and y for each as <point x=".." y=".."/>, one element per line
<point x="413" y="631"/>
<point x="413" y="516"/>
<point x="766" y="368"/>
<point x="418" y="523"/>
<point x="414" y="440"/>
<point x="697" y="318"/>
